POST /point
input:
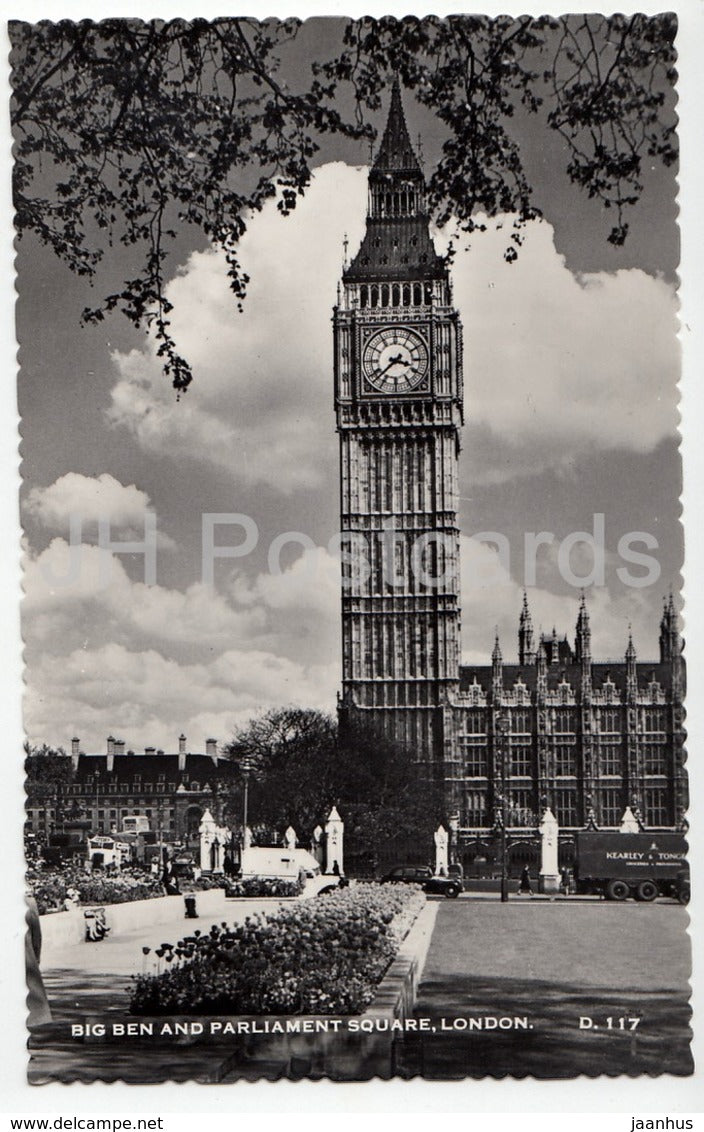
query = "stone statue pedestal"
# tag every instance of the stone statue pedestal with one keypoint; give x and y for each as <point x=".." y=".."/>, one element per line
<point x="549" y="878"/>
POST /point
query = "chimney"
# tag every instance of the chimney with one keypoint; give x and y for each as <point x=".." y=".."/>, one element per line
<point x="150" y="750"/>
<point x="181" y="752"/>
<point x="75" y="751"/>
<point x="119" y="746"/>
<point x="111" y="753"/>
<point x="211" y="748"/>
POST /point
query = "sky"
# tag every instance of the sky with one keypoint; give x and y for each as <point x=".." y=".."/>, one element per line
<point x="571" y="366"/>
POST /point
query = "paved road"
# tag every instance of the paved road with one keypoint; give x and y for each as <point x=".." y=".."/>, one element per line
<point x="553" y="963"/>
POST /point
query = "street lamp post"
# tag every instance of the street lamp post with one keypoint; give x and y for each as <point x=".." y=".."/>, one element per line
<point x="245" y="767"/>
<point x="502" y="726"/>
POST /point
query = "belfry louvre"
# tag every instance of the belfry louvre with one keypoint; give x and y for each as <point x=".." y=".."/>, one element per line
<point x="588" y="738"/>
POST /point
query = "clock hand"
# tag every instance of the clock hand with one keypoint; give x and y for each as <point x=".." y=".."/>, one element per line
<point x="392" y="362"/>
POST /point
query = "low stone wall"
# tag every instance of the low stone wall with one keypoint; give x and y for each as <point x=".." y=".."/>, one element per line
<point x="60" y="929"/>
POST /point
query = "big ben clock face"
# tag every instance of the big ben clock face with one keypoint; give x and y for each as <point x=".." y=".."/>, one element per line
<point x="395" y="360"/>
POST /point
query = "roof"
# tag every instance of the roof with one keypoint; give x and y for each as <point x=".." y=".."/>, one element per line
<point x="396" y="154"/>
<point x="396" y="248"/>
<point x="572" y="673"/>
<point x="198" y="767"/>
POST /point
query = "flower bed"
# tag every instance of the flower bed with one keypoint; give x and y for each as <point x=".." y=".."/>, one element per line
<point x="313" y="957"/>
<point x="265" y="886"/>
<point x="49" y="887"/>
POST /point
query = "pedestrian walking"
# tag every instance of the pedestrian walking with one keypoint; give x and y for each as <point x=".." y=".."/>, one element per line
<point x="524" y="884"/>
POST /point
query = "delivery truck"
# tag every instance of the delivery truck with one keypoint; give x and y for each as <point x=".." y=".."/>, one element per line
<point x="641" y="865"/>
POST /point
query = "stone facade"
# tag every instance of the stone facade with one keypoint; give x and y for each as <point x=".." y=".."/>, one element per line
<point x="586" y="738"/>
<point x="170" y="790"/>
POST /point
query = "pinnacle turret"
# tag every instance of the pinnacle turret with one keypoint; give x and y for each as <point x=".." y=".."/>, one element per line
<point x="526" y="651"/>
<point x="583" y="634"/>
<point x="669" y="632"/>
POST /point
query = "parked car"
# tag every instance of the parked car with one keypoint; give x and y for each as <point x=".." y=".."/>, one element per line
<point x="423" y="875"/>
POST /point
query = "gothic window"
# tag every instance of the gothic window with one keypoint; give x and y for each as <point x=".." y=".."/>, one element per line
<point x="564" y="722"/>
<point x="565" y="759"/>
<point x="475" y="761"/>
<point x="520" y="723"/>
<point x="377" y="241"/>
<point x="521" y="808"/>
<point x="654" y="759"/>
<point x="364" y="295"/>
<point x="611" y="806"/>
<point x="656" y="809"/>
<point x="654" y="720"/>
<point x="406" y="292"/>
<point x="384" y="290"/>
<point x="417" y="295"/>
<point x="566" y="806"/>
<point x="414" y="241"/>
<point x="521" y="760"/>
<point x="475" y="808"/>
<point x="375" y="296"/>
<point x="475" y="723"/>
<point x="395" y="295"/>
<point x="610" y="722"/>
<point x="611" y="759"/>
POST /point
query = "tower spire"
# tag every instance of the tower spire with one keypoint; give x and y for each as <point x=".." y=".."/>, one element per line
<point x="526" y="652"/>
<point x="396" y="152"/>
<point x="669" y="633"/>
<point x="583" y="634"/>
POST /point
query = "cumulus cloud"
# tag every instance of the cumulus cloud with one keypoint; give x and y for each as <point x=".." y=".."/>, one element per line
<point x="261" y="406"/>
<point x="492" y="600"/>
<point x="91" y="499"/>
<point x="557" y="365"/>
<point x="108" y="653"/>
<point x="147" y="698"/>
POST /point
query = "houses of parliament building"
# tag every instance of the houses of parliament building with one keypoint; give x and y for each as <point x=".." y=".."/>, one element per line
<point x="558" y="728"/>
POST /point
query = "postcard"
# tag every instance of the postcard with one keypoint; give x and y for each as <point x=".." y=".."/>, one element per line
<point x="355" y="685"/>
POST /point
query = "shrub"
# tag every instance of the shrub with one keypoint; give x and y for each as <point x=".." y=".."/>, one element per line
<point x="311" y="957"/>
<point x="265" y="886"/>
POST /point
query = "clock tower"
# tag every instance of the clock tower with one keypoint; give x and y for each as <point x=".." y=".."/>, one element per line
<point x="398" y="403"/>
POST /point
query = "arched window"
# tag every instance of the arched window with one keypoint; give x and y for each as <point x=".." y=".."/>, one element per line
<point x="384" y="294"/>
<point x="406" y="293"/>
<point x="396" y="295"/>
<point x="375" y="296"/>
<point x="363" y="295"/>
<point x="417" y="295"/>
<point x="428" y="292"/>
